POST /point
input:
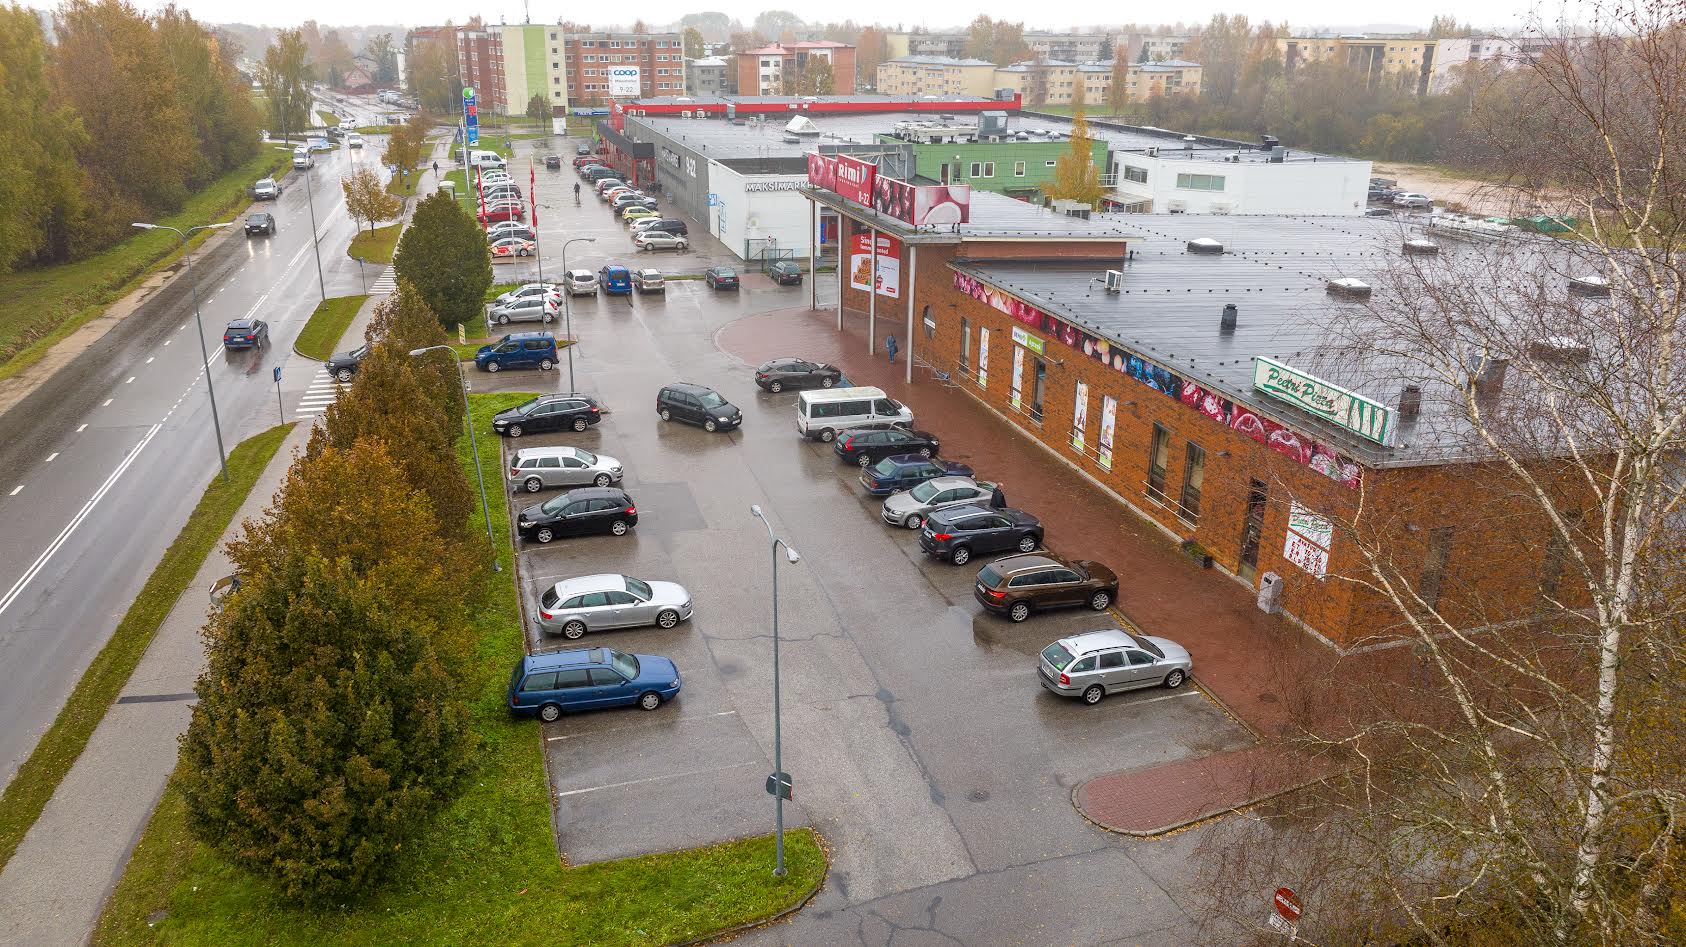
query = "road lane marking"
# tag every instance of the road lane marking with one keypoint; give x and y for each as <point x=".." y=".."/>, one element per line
<point x="131" y="379"/>
<point x="652" y="779"/>
<point x="592" y="733"/>
<point x="75" y="521"/>
<point x="149" y="359"/>
<point x="1153" y="700"/>
<point x="108" y="402"/>
<point x="16" y="490"/>
<point x="84" y="427"/>
<point x="51" y="456"/>
<point x="167" y="341"/>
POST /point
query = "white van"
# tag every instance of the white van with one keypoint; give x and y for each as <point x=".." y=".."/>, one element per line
<point x="485" y="159"/>
<point x="821" y="414"/>
<point x="303" y="159"/>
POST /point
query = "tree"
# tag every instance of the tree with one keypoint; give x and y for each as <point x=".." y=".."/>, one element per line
<point x="694" y="43"/>
<point x="405" y="146"/>
<point x="980" y="39"/>
<point x="1010" y="46"/>
<point x="215" y="97"/>
<point x="41" y="183"/>
<point x="443" y="255"/>
<point x="1118" y="94"/>
<point x="334" y="58"/>
<point x="816" y="78"/>
<point x="367" y="199"/>
<point x="385" y="55"/>
<point x="1075" y="176"/>
<point x="433" y="76"/>
<point x="715" y="27"/>
<point x="776" y="23"/>
<point x="872" y="50"/>
<point x="332" y="722"/>
<point x="538" y="109"/>
<point x="285" y="75"/>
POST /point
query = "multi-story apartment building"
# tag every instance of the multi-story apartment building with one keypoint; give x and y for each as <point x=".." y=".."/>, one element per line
<point x="508" y="65"/>
<point x="763" y="71"/>
<point x="1074" y="47"/>
<point x="600" y="66"/>
<point x="1412" y="59"/>
<point x="936" y="75"/>
<point x="1055" y="82"/>
<point x="710" y="75"/>
<point x="1454" y="57"/>
<point x="1148" y="47"/>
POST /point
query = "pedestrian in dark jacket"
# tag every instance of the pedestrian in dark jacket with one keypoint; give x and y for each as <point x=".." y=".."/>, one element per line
<point x="997" y="500"/>
<point x="890" y="346"/>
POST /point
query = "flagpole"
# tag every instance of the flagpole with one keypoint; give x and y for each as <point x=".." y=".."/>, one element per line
<point x="533" y="203"/>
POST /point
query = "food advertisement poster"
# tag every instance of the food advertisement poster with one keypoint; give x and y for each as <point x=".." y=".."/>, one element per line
<point x="1109" y="418"/>
<point x="889" y="279"/>
<point x="1309" y="538"/>
<point x="983" y="357"/>
<point x="1080" y="415"/>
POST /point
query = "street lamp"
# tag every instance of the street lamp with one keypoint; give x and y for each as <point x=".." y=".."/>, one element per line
<point x="473" y="445"/>
<point x="568" y="306"/>
<point x="310" y="196"/>
<point x="778" y="784"/>
<point x="204" y="355"/>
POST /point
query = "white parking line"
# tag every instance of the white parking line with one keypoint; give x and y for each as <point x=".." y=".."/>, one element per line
<point x="1191" y="692"/>
<point x="594" y="732"/>
<point x="131" y="379"/>
<point x="51" y="456"/>
<point x="108" y="402"/>
<point x="652" y="779"/>
<point x="16" y="490"/>
<point x="84" y="427"/>
<point x="149" y="359"/>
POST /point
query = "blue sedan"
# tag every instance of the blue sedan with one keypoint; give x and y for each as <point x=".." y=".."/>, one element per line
<point x="544" y="685"/>
<point x="245" y="334"/>
<point x="906" y="471"/>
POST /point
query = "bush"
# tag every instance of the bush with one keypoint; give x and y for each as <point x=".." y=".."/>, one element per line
<point x="443" y="255"/>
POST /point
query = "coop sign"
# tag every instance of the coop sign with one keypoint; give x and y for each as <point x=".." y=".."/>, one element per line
<point x="1347" y="409"/>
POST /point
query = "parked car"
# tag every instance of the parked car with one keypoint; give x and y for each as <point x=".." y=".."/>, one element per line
<point x="626" y="199"/>
<point x="344" y="365"/>
<point x="1018" y="585"/>
<point x="526" y="290"/>
<point x="501" y="194"/>
<point x="303" y="160"/>
<point x="825" y="414"/>
<point x="660" y="240"/>
<point x="509" y="228"/>
<point x="906" y="471"/>
<point x="501" y="212"/>
<point x="509" y="248"/>
<point x="867" y="446"/>
<point x="910" y="508"/>
<point x="553" y="162"/>
<point x="584" y="157"/>
<point x="548" y="413"/>
<point x="582" y="150"/>
<point x="245" y="334"/>
<point x="602" y="184"/>
<point x="643" y="224"/>
<point x="780" y="373"/>
<point x="1410" y="199"/>
<point x="608" y="194"/>
<point x="267" y="189"/>
<point x="535" y="468"/>
<point x="581" y="283"/>
<point x="1378" y="212"/>
<point x="959" y="533"/>
<point x="665" y="223"/>
<point x="721" y="277"/>
<point x="489" y="178"/>
<point x="518" y="350"/>
<point x="695" y="404"/>
<point x="1097" y="663"/>
<point x="786" y="273"/>
<point x="260" y="225"/>
<point x="647" y="280"/>
<point x="637" y="212"/>
<point x="530" y="309"/>
<point x="579" y="512"/>
<point x="615" y="279"/>
<point x="573" y="607"/>
<point x="545" y="685"/>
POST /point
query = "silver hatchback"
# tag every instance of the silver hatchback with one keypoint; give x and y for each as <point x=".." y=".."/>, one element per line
<point x="1097" y="663"/>
<point x="573" y="607"/>
<point x="535" y="468"/>
<point x="911" y="507"/>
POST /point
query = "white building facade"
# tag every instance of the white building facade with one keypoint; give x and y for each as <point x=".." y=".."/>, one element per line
<point x="1172" y="182"/>
<point x="757" y="215"/>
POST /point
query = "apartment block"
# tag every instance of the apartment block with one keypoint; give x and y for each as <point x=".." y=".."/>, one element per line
<point x="1055" y="82"/>
<point x="602" y="67"/>
<point x="936" y="75"/>
<point x="1410" y="58"/>
<point x="709" y="75"/>
<point x="508" y="65"/>
<point x="764" y="71"/>
<point x="1074" y="47"/>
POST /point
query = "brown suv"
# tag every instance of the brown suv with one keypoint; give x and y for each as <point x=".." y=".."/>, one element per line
<point x="1017" y="584"/>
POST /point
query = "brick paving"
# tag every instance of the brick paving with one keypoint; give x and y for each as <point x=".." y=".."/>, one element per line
<point x="1257" y="666"/>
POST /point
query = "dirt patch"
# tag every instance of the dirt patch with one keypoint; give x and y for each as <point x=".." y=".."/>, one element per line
<point x="1472" y="195"/>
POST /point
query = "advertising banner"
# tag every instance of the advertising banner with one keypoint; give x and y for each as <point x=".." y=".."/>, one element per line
<point x="983" y="357"/>
<point x="470" y="117"/>
<point x="888" y="280"/>
<point x="1109" y="419"/>
<point x="854" y="179"/>
<point x="1018" y="375"/>
<point x="1309" y="538"/>
<point x="1080" y="416"/>
<point x="822" y="170"/>
<point x="1352" y="411"/>
<point x="924" y="205"/>
<point x="625" y="80"/>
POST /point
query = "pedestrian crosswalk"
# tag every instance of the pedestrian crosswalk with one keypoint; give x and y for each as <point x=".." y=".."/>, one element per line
<point x="386" y="285"/>
<point x="321" y="393"/>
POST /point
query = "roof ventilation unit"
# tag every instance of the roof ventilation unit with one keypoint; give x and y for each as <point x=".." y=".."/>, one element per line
<point x="801" y="125"/>
<point x="1205" y="245"/>
<point x="1153" y="151"/>
<point x="1591" y="286"/>
<point x="791" y="140"/>
<point x="1411" y="401"/>
<point x="1558" y="348"/>
<point x="1114" y="281"/>
<point x="1487" y="373"/>
<point x="1349" y="287"/>
<point x="1231" y="313"/>
<point x="1268" y="142"/>
<point x="1421" y="246"/>
<point x="1278" y="155"/>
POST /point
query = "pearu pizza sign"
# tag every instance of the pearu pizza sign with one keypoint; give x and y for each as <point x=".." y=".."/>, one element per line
<point x="1354" y="412"/>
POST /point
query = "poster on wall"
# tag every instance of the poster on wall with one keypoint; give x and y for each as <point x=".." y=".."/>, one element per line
<point x="1018" y="374"/>
<point x="822" y="170"/>
<point x="1109" y="418"/>
<point x="624" y="80"/>
<point x="1309" y="538"/>
<point x="921" y="205"/>
<point x="983" y="357"/>
<point x="888" y="281"/>
<point x="1080" y="416"/>
<point x="855" y="178"/>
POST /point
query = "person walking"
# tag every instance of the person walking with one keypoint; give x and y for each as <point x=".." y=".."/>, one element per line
<point x="997" y="499"/>
<point x="435" y="169"/>
<point x="890" y="346"/>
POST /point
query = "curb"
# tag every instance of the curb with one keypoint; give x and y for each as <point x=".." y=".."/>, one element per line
<point x="1185" y="823"/>
<point x="730" y="933"/>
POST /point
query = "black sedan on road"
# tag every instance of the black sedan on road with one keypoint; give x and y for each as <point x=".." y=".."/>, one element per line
<point x="260" y="225"/>
<point x="782" y="373"/>
<point x="548" y="413"/>
<point x="579" y="513"/>
<point x="245" y="334"/>
<point x="344" y="365"/>
<point x="721" y="277"/>
<point x="867" y="446"/>
<point x="961" y="532"/>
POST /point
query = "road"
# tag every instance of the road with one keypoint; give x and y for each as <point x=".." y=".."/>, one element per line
<point x="100" y="467"/>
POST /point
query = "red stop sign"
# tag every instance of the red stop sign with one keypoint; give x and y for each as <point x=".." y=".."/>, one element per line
<point x="1287" y="904"/>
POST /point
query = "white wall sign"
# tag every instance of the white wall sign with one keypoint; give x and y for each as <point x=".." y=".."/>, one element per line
<point x="1018" y="374"/>
<point x="625" y="80"/>
<point x="983" y="357"/>
<point x="1309" y="538"/>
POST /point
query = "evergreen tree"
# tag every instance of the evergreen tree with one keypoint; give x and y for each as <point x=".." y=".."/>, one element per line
<point x="443" y="255"/>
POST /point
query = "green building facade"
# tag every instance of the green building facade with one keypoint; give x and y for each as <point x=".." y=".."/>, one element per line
<point x="1015" y="168"/>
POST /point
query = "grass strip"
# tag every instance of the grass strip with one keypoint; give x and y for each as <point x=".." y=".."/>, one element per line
<point x="375" y="246"/>
<point x="39" y="307"/>
<point x="319" y="336"/>
<point x="59" y="747"/>
<point x="486" y="870"/>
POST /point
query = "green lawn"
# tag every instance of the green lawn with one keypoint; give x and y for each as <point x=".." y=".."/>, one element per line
<point x="405" y="186"/>
<point x="486" y="871"/>
<point x="328" y="119"/>
<point x="322" y="333"/>
<point x="39" y="307"/>
<point x="59" y="747"/>
<point x="375" y="246"/>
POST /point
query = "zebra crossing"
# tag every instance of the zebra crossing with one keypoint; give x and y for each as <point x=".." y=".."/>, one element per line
<point x="386" y="285"/>
<point x="321" y="393"/>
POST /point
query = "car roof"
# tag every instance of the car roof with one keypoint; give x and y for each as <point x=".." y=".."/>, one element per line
<point x="614" y="268"/>
<point x="955" y="514"/>
<point x="945" y="483"/>
<point x="594" y="493"/>
<point x="1091" y="641"/>
<point x="573" y="657"/>
<point x="687" y="386"/>
<point x="582" y="274"/>
<point x="603" y="582"/>
<point x="241" y="323"/>
<point x="649" y="271"/>
<point x="1027" y="561"/>
<point x="560" y="451"/>
<point x="527" y="336"/>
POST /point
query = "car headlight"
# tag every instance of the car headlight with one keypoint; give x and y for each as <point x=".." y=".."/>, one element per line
<point x="673" y="683"/>
<point x="724" y="418"/>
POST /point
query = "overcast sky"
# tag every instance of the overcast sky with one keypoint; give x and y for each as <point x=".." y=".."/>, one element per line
<point x="1046" y="14"/>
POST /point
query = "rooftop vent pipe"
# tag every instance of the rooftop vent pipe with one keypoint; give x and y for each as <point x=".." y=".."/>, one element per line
<point x="1411" y="401"/>
<point x="1205" y="245"/>
<point x="1227" y="324"/>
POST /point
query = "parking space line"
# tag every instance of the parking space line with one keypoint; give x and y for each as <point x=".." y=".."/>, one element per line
<point x="1192" y="692"/>
<point x="652" y="779"/>
<point x="51" y="456"/>
<point x="84" y="426"/>
<point x="16" y="490"/>
<point x="570" y="736"/>
<point x="108" y="402"/>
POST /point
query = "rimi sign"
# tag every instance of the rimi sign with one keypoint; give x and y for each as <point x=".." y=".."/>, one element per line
<point x="1358" y="414"/>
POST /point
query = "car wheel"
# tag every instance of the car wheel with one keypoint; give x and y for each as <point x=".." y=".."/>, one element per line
<point x="827" y="381"/>
<point x="619" y="527"/>
<point x="533" y="484"/>
<point x="914" y="521"/>
<point x="514" y="430"/>
<point x="344" y="375"/>
<point x="1099" y="601"/>
<point x="960" y="555"/>
<point x="1019" y="612"/>
<point x="1027" y="544"/>
<point x="546" y="364"/>
<point x="925" y="452"/>
<point x="493" y="367"/>
<point x="827" y="435"/>
<point x="1175" y="679"/>
<point x="775" y="387"/>
<point x="573" y="629"/>
<point x="668" y="618"/>
<point x="649" y="700"/>
<point x="550" y="713"/>
<point x="503" y="319"/>
<point x="601" y="480"/>
<point x="581" y="424"/>
<point x="710" y="426"/>
<point x="544" y="535"/>
<point x="666" y="415"/>
<point x="863" y="460"/>
<point x="1093" y="693"/>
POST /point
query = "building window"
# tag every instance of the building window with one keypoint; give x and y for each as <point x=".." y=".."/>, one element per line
<point x="1018" y="169"/>
<point x="989" y="169"/>
<point x="1194" y="475"/>
<point x="1200" y="182"/>
<point x="1158" y="455"/>
<point x="977" y="169"/>
<point x="929" y="323"/>
<point x="1434" y="565"/>
<point x="965" y="343"/>
<point x="1138" y="175"/>
<point x="555" y="80"/>
<point x="1048" y="164"/>
<point x="1038" y="388"/>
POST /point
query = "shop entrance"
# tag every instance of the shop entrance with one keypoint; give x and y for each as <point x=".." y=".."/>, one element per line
<point x="1251" y="528"/>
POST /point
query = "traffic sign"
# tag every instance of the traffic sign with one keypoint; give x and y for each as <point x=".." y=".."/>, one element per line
<point x="1288" y="904"/>
<point x="278" y="374"/>
<point x="779" y="784"/>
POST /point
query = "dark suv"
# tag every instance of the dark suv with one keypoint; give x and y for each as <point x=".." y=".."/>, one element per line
<point x="548" y="413"/>
<point x="344" y="365"/>
<point x="867" y="446"/>
<point x="578" y="513"/>
<point x="786" y="273"/>
<point x="260" y="225"/>
<point x="696" y="404"/>
<point x="675" y="227"/>
<point x="1017" y="585"/>
<point x="959" y="532"/>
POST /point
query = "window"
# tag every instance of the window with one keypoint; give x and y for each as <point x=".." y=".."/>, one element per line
<point x="1038" y="388"/>
<point x="1194" y="474"/>
<point x="1158" y="455"/>
<point x="574" y="677"/>
<point x="965" y="343"/>
<point x="977" y="169"/>
<point x="989" y="169"/>
<point x="1087" y="664"/>
<point x="1048" y="164"/>
<point x="1434" y="565"/>
<point x="1112" y="660"/>
<point x="1138" y="175"/>
<point x="539" y="681"/>
<point x="1200" y="182"/>
<point x="929" y="323"/>
<point x="1018" y="169"/>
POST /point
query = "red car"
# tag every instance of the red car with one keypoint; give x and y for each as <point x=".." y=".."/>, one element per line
<point x="502" y="212"/>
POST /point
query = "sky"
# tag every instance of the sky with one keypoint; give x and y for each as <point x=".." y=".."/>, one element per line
<point x="1048" y="14"/>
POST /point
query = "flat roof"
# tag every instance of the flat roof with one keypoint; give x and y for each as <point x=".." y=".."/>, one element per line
<point x="888" y="101"/>
<point x="993" y="216"/>
<point x="1173" y="144"/>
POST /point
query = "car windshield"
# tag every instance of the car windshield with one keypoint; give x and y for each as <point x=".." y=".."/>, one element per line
<point x="639" y="588"/>
<point x="1148" y="646"/>
<point x="585" y="455"/>
<point x="1057" y="655"/>
<point x="624" y="663"/>
<point x="360" y="351"/>
<point x="239" y="326"/>
<point x="554" y="504"/>
<point x="526" y="407"/>
<point x="885" y="468"/>
<point x="710" y="399"/>
<point x="925" y="491"/>
<point x="989" y="575"/>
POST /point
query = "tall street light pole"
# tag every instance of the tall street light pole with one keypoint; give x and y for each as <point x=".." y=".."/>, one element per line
<point x="204" y="354"/>
<point x="778" y="784"/>
<point x="568" y="306"/>
<point x="473" y="445"/>
<point x="310" y="196"/>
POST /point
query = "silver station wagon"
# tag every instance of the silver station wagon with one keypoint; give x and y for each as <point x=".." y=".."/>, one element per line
<point x="535" y="468"/>
<point x="573" y="607"/>
<point x="1097" y="663"/>
<point x="910" y="508"/>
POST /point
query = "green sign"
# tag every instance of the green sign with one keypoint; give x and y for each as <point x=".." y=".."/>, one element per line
<point x="468" y="92"/>
<point x="1334" y="404"/>
<point x="1027" y="340"/>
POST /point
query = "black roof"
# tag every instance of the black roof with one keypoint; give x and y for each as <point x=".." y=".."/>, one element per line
<point x="688" y="387"/>
<point x="954" y="514"/>
<point x="1026" y="561"/>
<point x="594" y="493"/>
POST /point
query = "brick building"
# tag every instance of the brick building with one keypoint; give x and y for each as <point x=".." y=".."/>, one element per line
<point x="508" y="65"/>
<point x="598" y="66"/>
<point x="765" y="71"/>
<point x="1185" y="393"/>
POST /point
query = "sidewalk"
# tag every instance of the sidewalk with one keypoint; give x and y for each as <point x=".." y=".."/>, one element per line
<point x="1257" y="666"/>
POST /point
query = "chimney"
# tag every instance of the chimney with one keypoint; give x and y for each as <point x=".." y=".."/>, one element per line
<point x="1411" y="401"/>
<point x="1228" y="322"/>
<point x="1487" y="374"/>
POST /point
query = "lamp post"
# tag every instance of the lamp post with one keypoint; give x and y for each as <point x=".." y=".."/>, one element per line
<point x="204" y="354"/>
<point x="568" y="306"/>
<point x="793" y="557"/>
<point x="473" y="445"/>
<point x="310" y="196"/>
